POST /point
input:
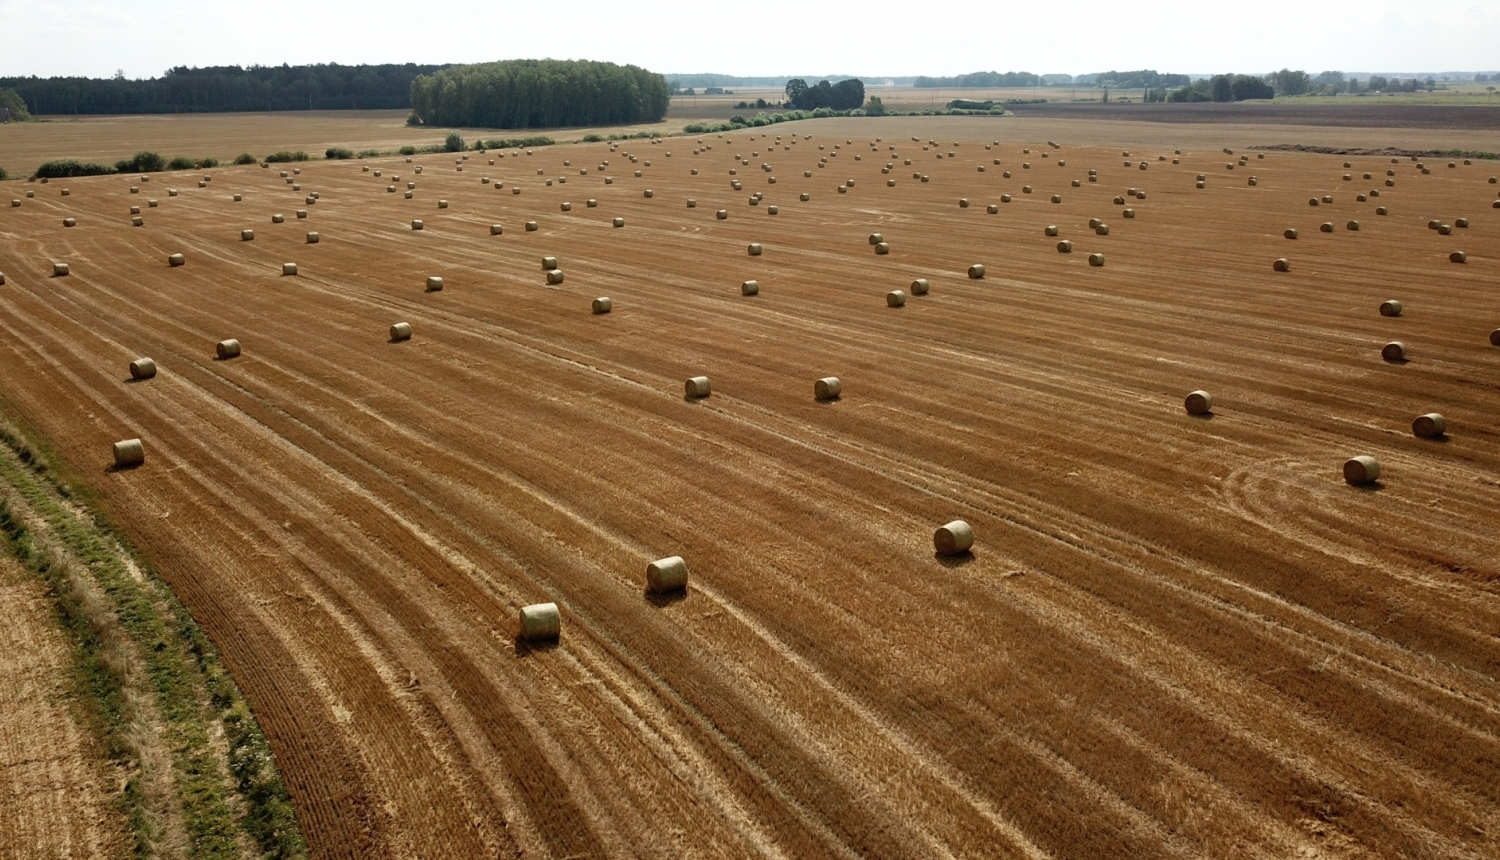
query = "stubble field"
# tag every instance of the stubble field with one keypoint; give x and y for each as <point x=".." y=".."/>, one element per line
<point x="1175" y="636"/>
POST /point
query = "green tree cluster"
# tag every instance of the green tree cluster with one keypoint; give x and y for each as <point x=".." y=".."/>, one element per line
<point x="11" y="100"/>
<point x="844" y="95"/>
<point x="539" y="94"/>
<point x="223" y="89"/>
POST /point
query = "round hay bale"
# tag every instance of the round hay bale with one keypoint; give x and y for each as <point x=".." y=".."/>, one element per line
<point x="1094" y="223"/>
<point x="227" y="349"/>
<point x="2" y="279"/>
<point x="603" y="305"/>
<point x="592" y="203"/>
<point x="667" y="574"/>
<point x="1282" y="264"/>
<point x="434" y="284"/>
<point x="692" y="204"/>
<point x="137" y="221"/>
<point x="919" y="287"/>
<point x="722" y="214"/>
<point x="237" y="198"/>
<point x="301" y="213"/>
<point x="531" y="227"/>
<point x="1096" y="260"/>
<point x="649" y="193"/>
<point x="1380" y="210"/>
<point x="1390" y="183"/>
<point x="976" y="271"/>
<point x="400" y="331"/>
<point x="828" y="388"/>
<point x="1312" y="201"/>
<point x="142" y="368"/>
<point x="1057" y="198"/>
<point x="1290" y="234"/>
<point x="1077" y="184"/>
<point x="772" y="210"/>
<point x="1462" y="223"/>
<point x="15" y="203"/>
<point x="992" y="209"/>
<point x="1254" y="181"/>
<point x="883" y="248"/>
<point x="1201" y="184"/>
<point x="540" y="622"/>
<point x="417" y="225"/>
<point x="171" y="192"/>
<point x="754" y="249"/>
<point x="288" y="269"/>
<point x="1429" y="426"/>
<point x="1199" y="403"/>
<point x="1352" y="225"/>
<point x="1049" y="230"/>
<point x="750" y="288"/>
<point x="554" y="277"/>
<point x="895" y="299"/>
<point x="177" y="260"/>
<point x="1445" y="229"/>
<point x="698" y="386"/>
<point x="1495" y="337"/>
<point x="1065" y="247"/>
<point x="549" y="263"/>
<point x="1326" y="227"/>
<point x="609" y="180"/>
<point x="1102" y="230"/>
<point x="1458" y="257"/>
<point x="1025" y="189"/>
<point x="804" y="197"/>
<point x="1393" y="351"/>
<point x="963" y="202"/>
<point x="1360" y="198"/>
<point x="70" y="222"/>
<point x="312" y="238"/>
<point x="1361" y="470"/>
<point x="876" y="239"/>
<point x="955" y="538"/>
<point x="1129" y="213"/>
<point x="311" y="199"/>
<point x="129" y="453"/>
<point x="1390" y="308"/>
<point x="497" y="230"/>
<point x="152" y="204"/>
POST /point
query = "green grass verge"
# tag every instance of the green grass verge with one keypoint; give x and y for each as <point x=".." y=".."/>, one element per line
<point x="220" y="797"/>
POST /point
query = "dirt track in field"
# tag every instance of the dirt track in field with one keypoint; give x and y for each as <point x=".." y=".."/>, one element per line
<point x="1176" y="636"/>
<point x="54" y="791"/>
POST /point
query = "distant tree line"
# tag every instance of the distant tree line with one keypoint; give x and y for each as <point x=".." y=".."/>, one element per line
<point x="223" y="89"/>
<point x="1140" y="79"/>
<point x="982" y="79"/>
<point x="844" y="95"/>
<point x="539" y="94"/>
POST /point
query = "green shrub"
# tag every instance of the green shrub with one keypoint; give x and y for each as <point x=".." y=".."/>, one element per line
<point x="3" y="174"/>
<point x="412" y="119"/>
<point x="67" y="167"/>
<point x="143" y="162"/>
<point x="407" y="150"/>
<point x="338" y="152"/>
<point x="181" y="163"/>
<point x="592" y="138"/>
<point x="282" y="156"/>
<point x="369" y="153"/>
<point x="208" y="162"/>
<point x="738" y="120"/>
<point x="518" y="142"/>
<point x="245" y="158"/>
<point x="453" y="142"/>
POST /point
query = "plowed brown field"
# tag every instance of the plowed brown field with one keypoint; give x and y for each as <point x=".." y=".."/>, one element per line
<point x="1176" y="636"/>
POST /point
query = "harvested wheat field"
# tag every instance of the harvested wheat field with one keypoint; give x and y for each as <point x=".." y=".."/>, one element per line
<point x="1175" y="634"/>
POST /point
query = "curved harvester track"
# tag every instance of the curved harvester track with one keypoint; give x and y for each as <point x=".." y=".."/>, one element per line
<point x="1176" y="637"/>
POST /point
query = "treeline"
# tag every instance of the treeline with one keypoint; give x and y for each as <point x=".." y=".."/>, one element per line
<point x="1289" y="82"/>
<point x="224" y="89"/>
<point x="982" y="79"/>
<point x="844" y="95"/>
<point x="539" y="94"/>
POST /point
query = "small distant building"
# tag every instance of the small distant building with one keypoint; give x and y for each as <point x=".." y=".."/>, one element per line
<point x="713" y="91"/>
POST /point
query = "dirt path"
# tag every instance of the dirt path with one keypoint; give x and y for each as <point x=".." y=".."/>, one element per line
<point x="1176" y="637"/>
<point x="55" y="788"/>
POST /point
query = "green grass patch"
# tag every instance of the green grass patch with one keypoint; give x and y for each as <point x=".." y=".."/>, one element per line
<point x="81" y="560"/>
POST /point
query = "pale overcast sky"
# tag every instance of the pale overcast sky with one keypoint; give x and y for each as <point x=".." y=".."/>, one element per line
<point x="773" y="37"/>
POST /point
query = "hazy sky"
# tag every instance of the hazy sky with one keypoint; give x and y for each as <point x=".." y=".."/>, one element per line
<point x="773" y="37"/>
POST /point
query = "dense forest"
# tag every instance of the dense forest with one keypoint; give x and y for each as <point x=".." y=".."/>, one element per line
<point x="539" y="94"/>
<point x="844" y="95"/>
<point x="222" y="89"/>
<point x="982" y="79"/>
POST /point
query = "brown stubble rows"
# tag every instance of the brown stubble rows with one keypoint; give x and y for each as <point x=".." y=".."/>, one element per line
<point x="1177" y="636"/>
